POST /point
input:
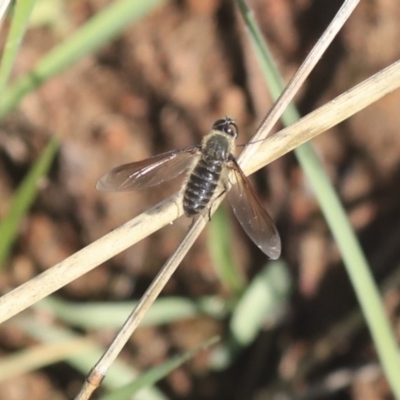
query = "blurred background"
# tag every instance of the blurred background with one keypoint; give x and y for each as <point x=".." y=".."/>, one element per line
<point x="159" y="86"/>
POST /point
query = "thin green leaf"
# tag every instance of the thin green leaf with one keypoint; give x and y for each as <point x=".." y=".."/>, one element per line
<point x="23" y="199"/>
<point x="264" y="298"/>
<point x="98" y="31"/>
<point x="353" y="256"/>
<point x="113" y="315"/>
<point x="155" y="374"/>
<point x="220" y="246"/>
<point x="51" y="13"/>
<point x="21" y="14"/>
<point x="119" y="374"/>
<point x="39" y="356"/>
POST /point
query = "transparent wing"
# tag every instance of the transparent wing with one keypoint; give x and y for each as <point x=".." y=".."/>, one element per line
<point x="252" y="215"/>
<point x="149" y="172"/>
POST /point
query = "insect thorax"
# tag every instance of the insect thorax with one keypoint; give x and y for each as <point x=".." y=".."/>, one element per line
<point x="217" y="146"/>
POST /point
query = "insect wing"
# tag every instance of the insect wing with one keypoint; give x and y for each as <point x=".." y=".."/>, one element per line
<point x="148" y="172"/>
<point x="252" y="215"/>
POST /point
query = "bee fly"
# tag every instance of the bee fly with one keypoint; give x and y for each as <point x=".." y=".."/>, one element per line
<point x="209" y="165"/>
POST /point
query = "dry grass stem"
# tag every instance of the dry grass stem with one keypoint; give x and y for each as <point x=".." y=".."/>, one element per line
<point x="325" y="117"/>
<point x="167" y="211"/>
<point x="99" y="371"/>
<point x="299" y="78"/>
<point x="3" y="8"/>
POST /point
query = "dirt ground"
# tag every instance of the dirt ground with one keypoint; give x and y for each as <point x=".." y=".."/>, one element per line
<point x="160" y="86"/>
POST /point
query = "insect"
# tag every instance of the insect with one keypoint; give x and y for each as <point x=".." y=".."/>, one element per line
<point x="208" y="166"/>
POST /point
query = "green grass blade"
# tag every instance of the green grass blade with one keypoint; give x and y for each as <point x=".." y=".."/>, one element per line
<point x="155" y="374"/>
<point x="261" y="306"/>
<point x="51" y="15"/>
<point x="39" y="356"/>
<point x="21" y="14"/>
<point x="353" y="256"/>
<point x="97" y="315"/>
<point x="23" y="198"/>
<point x="220" y="247"/>
<point x="118" y="375"/>
<point x="263" y="299"/>
<point x="98" y="31"/>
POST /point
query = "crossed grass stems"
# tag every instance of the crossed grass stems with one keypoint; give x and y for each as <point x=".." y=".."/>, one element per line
<point x="254" y="158"/>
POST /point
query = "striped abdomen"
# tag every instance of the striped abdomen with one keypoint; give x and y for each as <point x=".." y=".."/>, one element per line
<point x="201" y="185"/>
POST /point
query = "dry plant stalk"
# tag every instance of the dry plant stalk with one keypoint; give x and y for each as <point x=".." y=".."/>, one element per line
<point x="298" y="79"/>
<point x="286" y="140"/>
<point x="168" y="210"/>
<point x="99" y="371"/>
<point x="3" y="8"/>
<point x="165" y="212"/>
